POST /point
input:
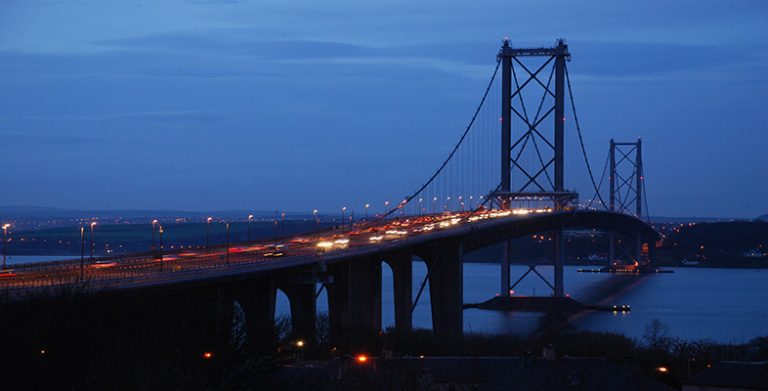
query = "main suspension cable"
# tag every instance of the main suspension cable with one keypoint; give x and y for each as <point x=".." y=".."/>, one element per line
<point x="581" y="139"/>
<point x="453" y="151"/>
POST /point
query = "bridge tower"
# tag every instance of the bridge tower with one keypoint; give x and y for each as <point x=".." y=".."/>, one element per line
<point x="626" y="177"/>
<point x="536" y="183"/>
<point x="627" y="186"/>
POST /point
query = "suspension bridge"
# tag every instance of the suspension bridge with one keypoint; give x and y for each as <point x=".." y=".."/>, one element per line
<point x="477" y="197"/>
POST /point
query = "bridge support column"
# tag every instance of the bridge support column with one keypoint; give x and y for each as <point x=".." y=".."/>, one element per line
<point x="402" y="279"/>
<point x="611" y="249"/>
<point x="506" y="256"/>
<point x="446" y="289"/>
<point x="652" y="252"/>
<point x="303" y="311"/>
<point x="354" y="301"/>
<point x="257" y="299"/>
<point x="559" y="239"/>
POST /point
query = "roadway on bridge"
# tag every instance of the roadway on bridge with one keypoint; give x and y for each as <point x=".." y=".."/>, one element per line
<point x="182" y="266"/>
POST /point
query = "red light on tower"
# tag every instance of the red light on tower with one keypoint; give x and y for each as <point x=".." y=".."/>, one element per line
<point x="361" y="359"/>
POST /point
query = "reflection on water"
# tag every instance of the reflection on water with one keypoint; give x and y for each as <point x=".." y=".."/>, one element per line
<point x="726" y="305"/>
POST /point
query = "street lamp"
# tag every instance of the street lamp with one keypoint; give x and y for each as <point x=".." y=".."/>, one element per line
<point x="277" y="226"/>
<point x="300" y="344"/>
<point x="420" y="208"/>
<point x="366" y="210"/>
<point x="208" y="232"/>
<point x="154" y="223"/>
<point x="93" y="224"/>
<point x="5" y="242"/>
<point x="343" y="209"/>
<point x="250" y="218"/>
<point x="160" y="230"/>
<point x="82" y="252"/>
<point x="227" y="243"/>
<point x="317" y="223"/>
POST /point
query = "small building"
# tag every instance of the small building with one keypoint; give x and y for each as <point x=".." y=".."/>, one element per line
<point x="730" y="376"/>
<point x="754" y="253"/>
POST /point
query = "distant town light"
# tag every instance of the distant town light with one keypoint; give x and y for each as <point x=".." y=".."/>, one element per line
<point x="208" y="355"/>
<point x="361" y="358"/>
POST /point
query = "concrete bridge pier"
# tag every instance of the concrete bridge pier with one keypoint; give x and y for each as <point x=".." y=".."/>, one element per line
<point x="402" y="279"/>
<point x="652" y="251"/>
<point x="257" y="299"/>
<point x="559" y="243"/>
<point x="354" y="301"/>
<point x="506" y="256"/>
<point x="611" y="249"/>
<point x="446" y="290"/>
<point x="303" y="311"/>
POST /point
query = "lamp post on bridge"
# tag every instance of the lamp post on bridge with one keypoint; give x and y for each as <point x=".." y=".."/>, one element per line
<point x="160" y="230"/>
<point x="343" y="209"/>
<point x="208" y="232"/>
<point x="82" y="252"/>
<point x="154" y="223"/>
<point x="250" y="218"/>
<point x="317" y="224"/>
<point x="367" y="205"/>
<point x="277" y="226"/>
<point x="227" y="243"/>
<point x="5" y="242"/>
<point x="93" y="244"/>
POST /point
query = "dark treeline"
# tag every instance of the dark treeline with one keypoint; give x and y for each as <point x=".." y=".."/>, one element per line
<point x="720" y="242"/>
<point x="187" y="340"/>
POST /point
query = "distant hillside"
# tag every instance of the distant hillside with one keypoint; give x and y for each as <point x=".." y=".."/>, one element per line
<point x="47" y="212"/>
<point x="763" y="217"/>
<point x="720" y="241"/>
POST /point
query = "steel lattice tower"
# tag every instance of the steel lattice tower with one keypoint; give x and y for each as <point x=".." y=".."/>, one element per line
<point x="535" y="186"/>
<point x="626" y="177"/>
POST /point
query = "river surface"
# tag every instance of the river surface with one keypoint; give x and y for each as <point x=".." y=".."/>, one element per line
<point x="725" y="305"/>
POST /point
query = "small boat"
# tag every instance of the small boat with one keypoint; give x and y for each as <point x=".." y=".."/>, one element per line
<point x="686" y="262"/>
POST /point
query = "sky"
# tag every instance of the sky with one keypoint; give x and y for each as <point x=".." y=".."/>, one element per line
<point x="263" y="105"/>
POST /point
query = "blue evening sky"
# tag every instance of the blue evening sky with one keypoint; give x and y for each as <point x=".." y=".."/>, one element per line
<point x="295" y="105"/>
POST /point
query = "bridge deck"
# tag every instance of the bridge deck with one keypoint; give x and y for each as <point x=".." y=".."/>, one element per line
<point x="472" y="228"/>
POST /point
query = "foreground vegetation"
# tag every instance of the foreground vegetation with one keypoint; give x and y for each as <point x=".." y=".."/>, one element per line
<point x="174" y="340"/>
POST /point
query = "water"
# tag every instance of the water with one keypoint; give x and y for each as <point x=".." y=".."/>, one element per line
<point x="17" y="259"/>
<point x="725" y="305"/>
